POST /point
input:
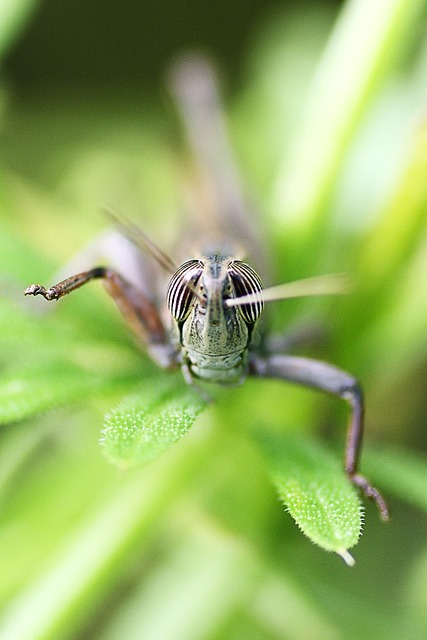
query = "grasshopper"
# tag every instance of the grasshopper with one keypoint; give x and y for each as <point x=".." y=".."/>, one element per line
<point x="206" y="321"/>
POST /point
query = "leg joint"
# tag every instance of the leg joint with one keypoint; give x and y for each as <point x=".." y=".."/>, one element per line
<point x="352" y="391"/>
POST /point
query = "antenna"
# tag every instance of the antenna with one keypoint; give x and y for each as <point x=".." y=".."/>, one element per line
<point x="333" y="284"/>
<point x="136" y="235"/>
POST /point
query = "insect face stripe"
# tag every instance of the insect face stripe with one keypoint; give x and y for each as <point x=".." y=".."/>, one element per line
<point x="247" y="282"/>
<point x="180" y="291"/>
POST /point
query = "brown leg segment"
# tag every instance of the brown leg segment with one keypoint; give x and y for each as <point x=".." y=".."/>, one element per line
<point x="139" y="311"/>
<point x="66" y="286"/>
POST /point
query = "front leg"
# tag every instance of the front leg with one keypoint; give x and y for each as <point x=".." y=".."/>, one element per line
<point x="137" y="308"/>
<point x="326" y="377"/>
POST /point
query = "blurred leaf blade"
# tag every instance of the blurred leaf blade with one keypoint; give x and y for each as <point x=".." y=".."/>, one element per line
<point x="55" y="601"/>
<point x="36" y="390"/>
<point x="49" y="362"/>
<point x="207" y="571"/>
<point x="401" y="472"/>
<point x="335" y="106"/>
<point x="14" y="15"/>
<point x="403" y="217"/>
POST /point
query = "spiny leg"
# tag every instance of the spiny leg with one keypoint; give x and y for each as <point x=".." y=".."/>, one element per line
<point x="66" y="286"/>
<point x="326" y="377"/>
<point x="139" y="311"/>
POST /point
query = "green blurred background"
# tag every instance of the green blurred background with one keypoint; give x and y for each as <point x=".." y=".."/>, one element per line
<point x="105" y="43"/>
<point x="326" y="103"/>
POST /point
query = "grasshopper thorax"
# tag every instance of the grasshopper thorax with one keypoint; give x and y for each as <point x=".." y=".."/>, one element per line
<point x="215" y="337"/>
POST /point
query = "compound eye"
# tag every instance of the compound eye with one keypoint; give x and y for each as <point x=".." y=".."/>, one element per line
<point x="246" y="281"/>
<point x="181" y="289"/>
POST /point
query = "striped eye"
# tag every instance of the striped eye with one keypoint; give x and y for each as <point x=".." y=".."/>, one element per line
<point x="247" y="282"/>
<point x="180" y="293"/>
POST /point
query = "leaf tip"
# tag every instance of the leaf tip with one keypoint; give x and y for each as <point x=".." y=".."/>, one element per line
<point x="347" y="557"/>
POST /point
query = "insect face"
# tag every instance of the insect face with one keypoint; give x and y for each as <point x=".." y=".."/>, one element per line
<point x="213" y="335"/>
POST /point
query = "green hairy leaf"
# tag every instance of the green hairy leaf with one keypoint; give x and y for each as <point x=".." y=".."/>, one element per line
<point x="148" y="422"/>
<point x="313" y="487"/>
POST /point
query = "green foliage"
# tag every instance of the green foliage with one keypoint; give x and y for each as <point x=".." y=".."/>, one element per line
<point x="13" y="16"/>
<point x="101" y="546"/>
<point x="29" y="392"/>
<point x="148" y="422"/>
<point x="313" y="487"/>
<point x="402" y="473"/>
